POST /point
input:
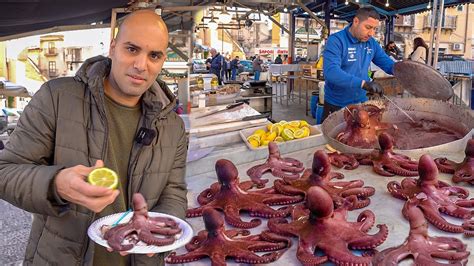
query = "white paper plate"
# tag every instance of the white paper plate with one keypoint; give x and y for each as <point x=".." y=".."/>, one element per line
<point x="140" y="247"/>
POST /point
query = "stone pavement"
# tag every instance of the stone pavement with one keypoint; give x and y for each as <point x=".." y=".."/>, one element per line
<point x="15" y="227"/>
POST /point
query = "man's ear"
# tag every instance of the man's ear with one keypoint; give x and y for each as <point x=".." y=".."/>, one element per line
<point x="112" y="47"/>
<point x="355" y="21"/>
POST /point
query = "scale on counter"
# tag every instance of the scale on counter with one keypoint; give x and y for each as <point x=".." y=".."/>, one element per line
<point x="422" y="80"/>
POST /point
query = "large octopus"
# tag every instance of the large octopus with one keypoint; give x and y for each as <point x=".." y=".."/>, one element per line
<point x="231" y="199"/>
<point x="286" y="168"/>
<point x="420" y="246"/>
<point x="363" y="124"/>
<point x="436" y="197"/>
<point x="463" y="171"/>
<point x="141" y="228"/>
<point x="218" y="244"/>
<point x="328" y="230"/>
<point x="385" y="161"/>
<point x="321" y="175"/>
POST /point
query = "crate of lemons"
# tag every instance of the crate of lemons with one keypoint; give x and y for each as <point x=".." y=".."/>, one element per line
<point x="279" y="132"/>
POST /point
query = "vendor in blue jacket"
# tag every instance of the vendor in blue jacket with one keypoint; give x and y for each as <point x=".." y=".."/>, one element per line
<point x="347" y="58"/>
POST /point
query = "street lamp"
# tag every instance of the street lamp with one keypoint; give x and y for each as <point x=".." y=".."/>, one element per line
<point x="224" y="16"/>
<point x="212" y="24"/>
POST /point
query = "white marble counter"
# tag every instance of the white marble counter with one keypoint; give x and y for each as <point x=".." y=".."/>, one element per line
<point x="386" y="208"/>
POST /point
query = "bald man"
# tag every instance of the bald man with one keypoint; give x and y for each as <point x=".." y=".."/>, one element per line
<point x="113" y="113"/>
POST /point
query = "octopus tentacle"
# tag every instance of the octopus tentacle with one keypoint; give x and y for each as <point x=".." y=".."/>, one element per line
<point x="399" y="170"/>
<point x="396" y="190"/>
<point x="445" y="166"/>
<point x="195" y="255"/>
<point x="256" y="172"/>
<point x="232" y="217"/>
<point x="150" y="239"/>
<point x="438" y="221"/>
<point x="365" y="221"/>
<point x="305" y="254"/>
<point x="370" y="241"/>
<point x="379" y="169"/>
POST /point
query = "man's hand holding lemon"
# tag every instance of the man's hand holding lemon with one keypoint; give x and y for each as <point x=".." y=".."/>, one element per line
<point x="72" y="185"/>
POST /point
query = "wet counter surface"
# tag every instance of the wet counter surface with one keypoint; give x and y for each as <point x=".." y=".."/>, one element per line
<point x="387" y="209"/>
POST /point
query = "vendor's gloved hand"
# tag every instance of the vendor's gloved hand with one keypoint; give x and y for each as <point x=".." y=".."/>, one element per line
<point x="373" y="87"/>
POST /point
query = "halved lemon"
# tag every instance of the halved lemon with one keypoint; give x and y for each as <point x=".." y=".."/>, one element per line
<point x="307" y="131"/>
<point x="303" y="123"/>
<point x="277" y="128"/>
<point x="279" y="139"/>
<point x="259" y="132"/>
<point x="300" y="133"/>
<point x="269" y="126"/>
<point x="265" y="142"/>
<point x="254" y="143"/>
<point x="254" y="137"/>
<point x="294" y="123"/>
<point x="271" y="136"/>
<point x="287" y="134"/>
<point x="103" y="177"/>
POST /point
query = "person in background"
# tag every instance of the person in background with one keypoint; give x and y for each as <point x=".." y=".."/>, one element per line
<point x="217" y="63"/>
<point x="392" y="50"/>
<point x="347" y="57"/>
<point x="228" y="68"/>
<point x="420" y="50"/>
<point x="278" y="60"/>
<point x="257" y="67"/>
<point x="285" y="59"/>
<point x="208" y="63"/>
<point x="112" y="113"/>
<point x="234" y="66"/>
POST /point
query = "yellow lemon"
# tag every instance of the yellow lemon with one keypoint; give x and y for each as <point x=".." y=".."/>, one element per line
<point x="259" y="132"/>
<point x="103" y="177"/>
<point x="254" y="137"/>
<point x="293" y="129"/>
<point x="307" y="131"/>
<point x="287" y="134"/>
<point x="303" y="123"/>
<point x="279" y="139"/>
<point x="254" y="143"/>
<point x="277" y="129"/>
<point x="269" y="126"/>
<point x="294" y="123"/>
<point x="265" y="142"/>
<point x="271" y="136"/>
<point x="299" y="134"/>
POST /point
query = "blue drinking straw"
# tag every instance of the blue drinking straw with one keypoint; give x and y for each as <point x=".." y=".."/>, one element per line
<point x="121" y="217"/>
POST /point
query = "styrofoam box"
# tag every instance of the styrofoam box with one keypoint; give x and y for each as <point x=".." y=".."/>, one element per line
<point x="245" y="133"/>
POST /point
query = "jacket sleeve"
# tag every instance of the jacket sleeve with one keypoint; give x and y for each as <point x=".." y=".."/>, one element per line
<point x="173" y="197"/>
<point x="382" y="60"/>
<point x="332" y="66"/>
<point x="26" y="173"/>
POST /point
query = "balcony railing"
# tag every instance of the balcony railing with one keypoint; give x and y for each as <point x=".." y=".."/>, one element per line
<point x="448" y="22"/>
<point x="405" y="21"/>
